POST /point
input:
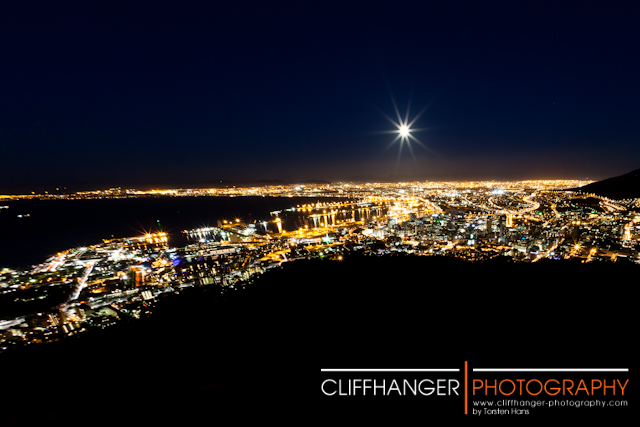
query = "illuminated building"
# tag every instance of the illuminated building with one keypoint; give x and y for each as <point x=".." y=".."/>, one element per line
<point x="138" y="274"/>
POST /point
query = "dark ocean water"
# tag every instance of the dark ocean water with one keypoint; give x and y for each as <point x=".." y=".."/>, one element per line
<point x="55" y="225"/>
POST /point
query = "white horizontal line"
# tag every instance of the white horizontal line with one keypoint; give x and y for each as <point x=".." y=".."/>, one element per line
<point x="389" y="370"/>
<point x="550" y="370"/>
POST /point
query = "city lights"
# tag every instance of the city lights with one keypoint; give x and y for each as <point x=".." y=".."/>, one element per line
<point x="525" y="221"/>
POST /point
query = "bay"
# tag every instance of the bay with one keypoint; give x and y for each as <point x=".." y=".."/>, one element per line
<point x="33" y="230"/>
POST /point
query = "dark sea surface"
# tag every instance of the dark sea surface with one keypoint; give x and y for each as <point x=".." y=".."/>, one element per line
<point x="56" y="225"/>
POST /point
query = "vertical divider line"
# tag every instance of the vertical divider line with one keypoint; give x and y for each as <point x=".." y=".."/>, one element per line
<point x="465" y="388"/>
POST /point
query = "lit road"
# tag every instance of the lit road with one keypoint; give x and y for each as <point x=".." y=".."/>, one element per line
<point x="81" y="282"/>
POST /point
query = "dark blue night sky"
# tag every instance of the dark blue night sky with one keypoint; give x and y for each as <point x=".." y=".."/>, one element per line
<point x="143" y="93"/>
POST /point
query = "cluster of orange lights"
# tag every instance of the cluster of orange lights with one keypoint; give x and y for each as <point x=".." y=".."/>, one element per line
<point x="156" y="238"/>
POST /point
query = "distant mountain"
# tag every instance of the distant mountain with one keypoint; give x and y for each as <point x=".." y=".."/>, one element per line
<point x="620" y="187"/>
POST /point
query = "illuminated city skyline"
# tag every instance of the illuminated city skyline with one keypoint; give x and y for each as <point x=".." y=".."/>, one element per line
<point x="108" y="282"/>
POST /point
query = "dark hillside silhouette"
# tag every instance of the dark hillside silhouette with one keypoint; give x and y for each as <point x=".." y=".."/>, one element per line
<point x="202" y="347"/>
<point x="626" y="186"/>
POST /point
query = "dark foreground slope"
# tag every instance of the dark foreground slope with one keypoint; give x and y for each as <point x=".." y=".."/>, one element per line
<point x="626" y="186"/>
<point x="260" y="344"/>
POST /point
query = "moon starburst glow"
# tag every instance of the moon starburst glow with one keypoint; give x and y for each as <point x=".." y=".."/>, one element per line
<point x="404" y="130"/>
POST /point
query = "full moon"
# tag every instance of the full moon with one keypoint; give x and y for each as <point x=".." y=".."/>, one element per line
<point x="403" y="130"/>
